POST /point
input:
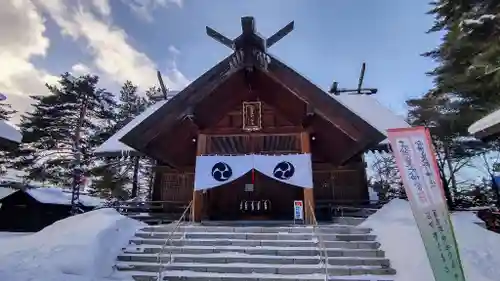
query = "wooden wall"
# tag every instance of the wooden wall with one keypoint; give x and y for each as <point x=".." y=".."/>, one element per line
<point x="271" y="120"/>
<point x="330" y="183"/>
<point x="278" y="135"/>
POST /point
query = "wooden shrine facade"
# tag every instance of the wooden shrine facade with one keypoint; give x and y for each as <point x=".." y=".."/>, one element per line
<point x="251" y="106"/>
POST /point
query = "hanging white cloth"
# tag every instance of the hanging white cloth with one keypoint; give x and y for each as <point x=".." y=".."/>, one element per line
<point x="213" y="171"/>
<point x="294" y="169"/>
<point x="216" y="170"/>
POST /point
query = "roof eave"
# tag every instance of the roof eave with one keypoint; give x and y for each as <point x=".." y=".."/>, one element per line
<point x="177" y="106"/>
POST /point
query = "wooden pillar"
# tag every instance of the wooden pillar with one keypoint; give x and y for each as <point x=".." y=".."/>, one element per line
<point x="197" y="207"/>
<point x="305" y="144"/>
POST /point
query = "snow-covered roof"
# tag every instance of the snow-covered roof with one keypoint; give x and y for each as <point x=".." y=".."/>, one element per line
<point x="53" y="195"/>
<point x="366" y="107"/>
<point x="6" y="191"/>
<point x="10" y="132"/>
<point x="114" y="145"/>
<point x="486" y="126"/>
<point x="59" y="196"/>
<point x="374" y="113"/>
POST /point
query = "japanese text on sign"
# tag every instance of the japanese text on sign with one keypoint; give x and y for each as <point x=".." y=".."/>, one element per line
<point x="418" y="169"/>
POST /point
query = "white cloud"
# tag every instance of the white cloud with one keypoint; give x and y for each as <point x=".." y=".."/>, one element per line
<point x="108" y="44"/>
<point x="144" y="8"/>
<point x="102" y="6"/>
<point x="80" y="69"/>
<point x="22" y="36"/>
<point x="173" y="50"/>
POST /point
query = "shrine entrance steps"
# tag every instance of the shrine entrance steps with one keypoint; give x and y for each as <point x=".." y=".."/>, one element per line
<point x="236" y="252"/>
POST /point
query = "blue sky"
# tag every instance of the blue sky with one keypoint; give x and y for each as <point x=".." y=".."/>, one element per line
<point x="129" y="39"/>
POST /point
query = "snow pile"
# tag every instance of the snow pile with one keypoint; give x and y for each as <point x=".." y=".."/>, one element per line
<point x="79" y="248"/>
<point x="397" y="231"/>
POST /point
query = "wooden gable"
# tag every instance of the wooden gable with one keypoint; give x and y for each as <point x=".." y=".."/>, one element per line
<point x="205" y="105"/>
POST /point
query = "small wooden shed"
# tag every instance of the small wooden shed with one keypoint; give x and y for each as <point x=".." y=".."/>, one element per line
<point x="31" y="208"/>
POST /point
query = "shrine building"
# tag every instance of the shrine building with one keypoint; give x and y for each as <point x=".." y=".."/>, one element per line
<point x="252" y="135"/>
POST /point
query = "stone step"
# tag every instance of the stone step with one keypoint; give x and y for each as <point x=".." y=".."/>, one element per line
<point x="209" y="276"/>
<point x="255" y="243"/>
<point x="333" y="229"/>
<point x="352" y="221"/>
<point x="257" y="236"/>
<point x="251" y="259"/>
<point x="268" y="250"/>
<point x="284" y="269"/>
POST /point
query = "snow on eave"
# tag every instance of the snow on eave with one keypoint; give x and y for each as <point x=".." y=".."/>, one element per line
<point x="374" y="113"/>
<point x="6" y="191"/>
<point x="114" y="145"/>
<point x="59" y="196"/>
<point x="366" y="107"/>
<point x="10" y="132"/>
<point x="52" y="195"/>
<point x="484" y="125"/>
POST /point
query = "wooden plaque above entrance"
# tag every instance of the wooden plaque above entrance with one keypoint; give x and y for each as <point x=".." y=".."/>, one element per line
<point x="252" y="116"/>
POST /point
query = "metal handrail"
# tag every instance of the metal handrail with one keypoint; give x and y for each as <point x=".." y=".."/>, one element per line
<point x="169" y="241"/>
<point x="323" y="252"/>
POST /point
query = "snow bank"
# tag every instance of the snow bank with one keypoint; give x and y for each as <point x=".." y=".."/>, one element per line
<point x="397" y="231"/>
<point x="79" y="248"/>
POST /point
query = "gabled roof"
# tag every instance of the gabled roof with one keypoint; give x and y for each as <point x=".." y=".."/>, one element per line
<point x="364" y="107"/>
<point x="113" y="145"/>
<point x="52" y="195"/>
<point x="328" y="108"/>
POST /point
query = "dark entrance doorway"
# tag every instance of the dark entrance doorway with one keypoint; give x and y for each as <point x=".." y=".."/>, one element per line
<point x="267" y="200"/>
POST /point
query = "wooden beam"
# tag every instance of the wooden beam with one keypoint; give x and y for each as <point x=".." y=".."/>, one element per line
<point x="197" y="207"/>
<point x="175" y="108"/>
<point x="285" y="130"/>
<point x="223" y="99"/>
<point x="305" y="145"/>
<point x="325" y="105"/>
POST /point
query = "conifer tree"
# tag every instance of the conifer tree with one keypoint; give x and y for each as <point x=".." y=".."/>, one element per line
<point x="466" y="83"/>
<point x="47" y="152"/>
<point x="120" y="171"/>
<point x="6" y="112"/>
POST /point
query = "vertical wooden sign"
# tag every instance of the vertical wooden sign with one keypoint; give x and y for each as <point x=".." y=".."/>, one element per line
<point x="252" y="116"/>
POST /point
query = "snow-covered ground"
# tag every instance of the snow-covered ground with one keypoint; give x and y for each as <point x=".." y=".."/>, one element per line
<point x="79" y="248"/>
<point x="84" y="247"/>
<point x="397" y="231"/>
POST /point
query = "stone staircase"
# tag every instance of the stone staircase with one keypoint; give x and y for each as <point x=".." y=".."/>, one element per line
<point x="266" y="253"/>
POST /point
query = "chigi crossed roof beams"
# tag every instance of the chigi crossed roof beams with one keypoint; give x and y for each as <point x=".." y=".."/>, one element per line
<point x="359" y="119"/>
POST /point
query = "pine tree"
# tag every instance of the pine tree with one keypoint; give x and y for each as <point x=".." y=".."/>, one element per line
<point x="125" y="169"/>
<point x="466" y="81"/>
<point x="468" y="57"/>
<point x="386" y="181"/>
<point x="47" y="152"/>
<point x="6" y="113"/>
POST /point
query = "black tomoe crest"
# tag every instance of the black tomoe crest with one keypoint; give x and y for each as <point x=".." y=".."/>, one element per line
<point x="221" y="171"/>
<point x="284" y="170"/>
